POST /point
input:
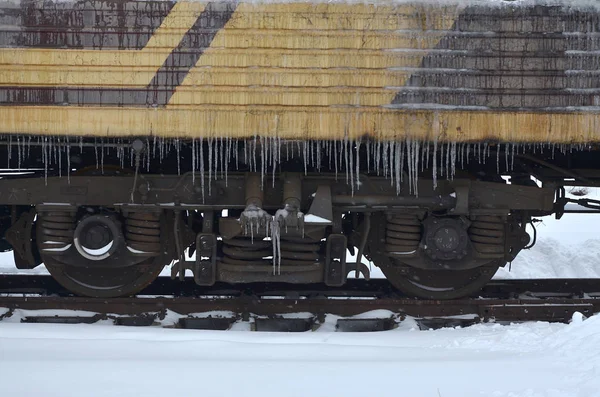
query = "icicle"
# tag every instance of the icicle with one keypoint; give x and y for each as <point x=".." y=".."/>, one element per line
<point x="147" y="153"/>
<point x="254" y="150"/>
<point x="276" y="240"/>
<point x="377" y="156"/>
<point x="368" y="156"/>
<point x="392" y="163"/>
<point x="58" y="148"/>
<point x="448" y="161"/>
<point x="409" y="164"/>
<point x="102" y="158"/>
<point x="135" y="176"/>
<point x="328" y="151"/>
<point x="236" y="154"/>
<point x="416" y="167"/>
<point x="453" y="161"/>
<point x="193" y="161"/>
<point x="485" y="150"/>
<point x="434" y="157"/>
<point x="276" y="153"/>
<point x="18" y="153"/>
<point x="45" y="156"/>
<point x="468" y="153"/>
<point x="347" y="161"/>
<point x="216" y="158"/>
<point x="52" y="151"/>
<point x="96" y="153"/>
<point x="178" y="149"/>
<point x="9" y="151"/>
<point x="442" y="153"/>
<point x="385" y="160"/>
<point x="201" y="161"/>
<point x="319" y="155"/>
<point x="160" y="150"/>
<point x="210" y="164"/>
<point x="427" y="156"/>
<point x="497" y="158"/>
<point x="422" y="158"/>
<point x="512" y="158"/>
<point x="335" y="155"/>
<point x="227" y="159"/>
<point x="68" y="162"/>
<point x="402" y="144"/>
<point x="222" y="150"/>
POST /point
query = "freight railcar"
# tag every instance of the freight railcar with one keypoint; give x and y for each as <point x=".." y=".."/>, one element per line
<point x="260" y="141"/>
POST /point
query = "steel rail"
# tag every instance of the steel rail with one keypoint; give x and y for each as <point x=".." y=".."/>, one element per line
<point x="553" y="300"/>
<point x="46" y="285"/>
<point x="532" y="309"/>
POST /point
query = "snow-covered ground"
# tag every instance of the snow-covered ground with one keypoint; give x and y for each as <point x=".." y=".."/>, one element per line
<point x="491" y="360"/>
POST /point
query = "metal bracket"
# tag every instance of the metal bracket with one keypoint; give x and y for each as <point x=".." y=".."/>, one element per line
<point x="335" y="260"/>
<point x="363" y="242"/>
<point x="461" y="190"/>
<point x="20" y="237"/>
<point x="359" y="267"/>
<point x="205" y="270"/>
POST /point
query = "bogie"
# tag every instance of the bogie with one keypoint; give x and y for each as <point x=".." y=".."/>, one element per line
<point x="109" y="231"/>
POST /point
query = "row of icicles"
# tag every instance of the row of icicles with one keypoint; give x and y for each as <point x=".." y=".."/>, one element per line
<point x="211" y="158"/>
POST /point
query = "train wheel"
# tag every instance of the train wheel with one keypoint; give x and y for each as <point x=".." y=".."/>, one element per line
<point x="92" y="253"/>
<point x="95" y="276"/>
<point x="102" y="282"/>
<point x="439" y="284"/>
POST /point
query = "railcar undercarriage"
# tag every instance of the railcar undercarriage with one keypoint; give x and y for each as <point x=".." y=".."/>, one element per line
<point x="439" y="220"/>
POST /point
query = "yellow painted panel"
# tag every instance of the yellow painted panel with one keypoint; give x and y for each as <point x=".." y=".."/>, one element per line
<point x="285" y="96"/>
<point x="296" y="77"/>
<point x="309" y="58"/>
<point x="303" y="123"/>
<point x="325" y="39"/>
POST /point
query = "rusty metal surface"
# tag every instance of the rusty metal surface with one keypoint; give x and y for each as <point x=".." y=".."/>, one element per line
<point x="513" y="300"/>
<point x="495" y="289"/>
<point x="550" y="309"/>
<point x="183" y="192"/>
<point x="95" y="25"/>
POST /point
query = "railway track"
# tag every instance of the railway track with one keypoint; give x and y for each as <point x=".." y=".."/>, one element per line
<point x="359" y="306"/>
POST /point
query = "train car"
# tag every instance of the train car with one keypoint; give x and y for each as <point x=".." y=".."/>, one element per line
<point x="261" y="141"/>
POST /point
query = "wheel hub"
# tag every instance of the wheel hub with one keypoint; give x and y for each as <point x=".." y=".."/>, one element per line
<point x="97" y="237"/>
<point x="446" y="239"/>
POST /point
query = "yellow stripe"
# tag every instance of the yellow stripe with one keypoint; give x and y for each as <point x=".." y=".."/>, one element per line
<point x="303" y="123"/>
<point x="295" y="77"/>
<point x="106" y="68"/>
<point x="285" y="96"/>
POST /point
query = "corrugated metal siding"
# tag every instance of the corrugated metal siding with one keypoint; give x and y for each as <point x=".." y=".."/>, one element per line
<point x="300" y="70"/>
